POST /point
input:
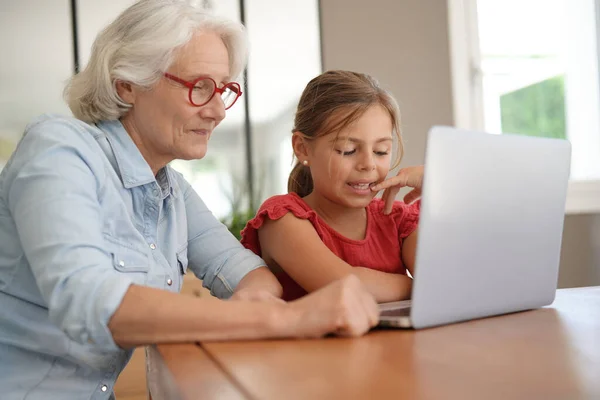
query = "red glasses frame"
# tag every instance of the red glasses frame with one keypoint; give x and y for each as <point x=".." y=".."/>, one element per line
<point x="233" y="86"/>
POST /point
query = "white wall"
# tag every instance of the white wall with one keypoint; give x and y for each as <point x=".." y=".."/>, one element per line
<point x="404" y="45"/>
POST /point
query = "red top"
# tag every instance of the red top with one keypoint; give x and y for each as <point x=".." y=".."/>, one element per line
<point x="380" y="249"/>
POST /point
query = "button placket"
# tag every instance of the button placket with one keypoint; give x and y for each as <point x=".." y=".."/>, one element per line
<point x="152" y="207"/>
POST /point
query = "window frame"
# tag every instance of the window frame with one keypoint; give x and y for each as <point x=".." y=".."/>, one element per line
<point x="583" y="197"/>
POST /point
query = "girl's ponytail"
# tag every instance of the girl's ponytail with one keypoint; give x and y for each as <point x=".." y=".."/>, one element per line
<point x="300" y="181"/>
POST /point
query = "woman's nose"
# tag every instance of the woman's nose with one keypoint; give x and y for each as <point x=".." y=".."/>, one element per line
<point x="214" y="109"/>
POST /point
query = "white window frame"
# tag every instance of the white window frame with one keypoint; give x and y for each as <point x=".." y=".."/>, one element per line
<point x="467" y="90"/>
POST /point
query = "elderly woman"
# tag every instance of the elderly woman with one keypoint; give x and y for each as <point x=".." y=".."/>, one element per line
<point x="96" y="230"/>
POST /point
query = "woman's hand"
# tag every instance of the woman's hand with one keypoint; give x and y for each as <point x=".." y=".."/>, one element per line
<point x="409" y="176"/>
<point x="343" y="307"/>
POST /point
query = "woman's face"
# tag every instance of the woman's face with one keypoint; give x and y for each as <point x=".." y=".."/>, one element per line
<point x="162" y="122"/>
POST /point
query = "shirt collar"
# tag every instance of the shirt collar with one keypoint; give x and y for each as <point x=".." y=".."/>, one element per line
<point x="133" y="168"/>
<point x="165" y="181"/>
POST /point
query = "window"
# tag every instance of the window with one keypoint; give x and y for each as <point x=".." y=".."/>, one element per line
<point x="250" y="152"/>
<point x="530" y="67"/>
<point x="36" y="61"/>
<point x="278" y="70"/>
<point x="219" y="178"/>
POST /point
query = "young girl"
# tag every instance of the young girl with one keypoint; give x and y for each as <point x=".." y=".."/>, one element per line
<point x="330" y="225"/>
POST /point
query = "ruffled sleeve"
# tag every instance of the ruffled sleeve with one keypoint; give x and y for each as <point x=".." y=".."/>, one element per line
<point x="405" y="216"/>
<point x="273" y="209"/>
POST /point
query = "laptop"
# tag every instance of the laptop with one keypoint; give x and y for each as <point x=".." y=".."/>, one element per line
<point x="490" y="229"/>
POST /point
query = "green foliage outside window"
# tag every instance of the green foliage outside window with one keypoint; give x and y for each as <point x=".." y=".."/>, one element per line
<point x="236" y="221"/>
<point x="243" y="204"/>
<point x="536" y="110"/>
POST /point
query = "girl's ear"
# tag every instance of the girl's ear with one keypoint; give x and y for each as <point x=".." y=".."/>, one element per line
<point x="300" y="145"/>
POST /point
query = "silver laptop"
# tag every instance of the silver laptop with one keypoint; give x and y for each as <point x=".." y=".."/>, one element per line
<point x="490" y="229"/>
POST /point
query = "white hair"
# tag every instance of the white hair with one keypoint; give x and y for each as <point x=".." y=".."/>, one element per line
<point x="139" y="46"/>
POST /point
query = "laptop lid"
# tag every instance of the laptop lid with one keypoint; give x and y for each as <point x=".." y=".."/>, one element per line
<point x="491" y="225"/>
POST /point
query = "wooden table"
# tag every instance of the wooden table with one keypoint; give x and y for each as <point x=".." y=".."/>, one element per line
<point x="550" y="353"/>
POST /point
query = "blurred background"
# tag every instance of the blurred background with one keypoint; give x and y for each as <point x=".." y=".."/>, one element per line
<point x="520" y="66"/>
<point x="44" y="41"/>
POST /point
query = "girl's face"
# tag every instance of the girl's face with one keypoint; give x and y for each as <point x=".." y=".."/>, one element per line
<point x="346" y="165"/>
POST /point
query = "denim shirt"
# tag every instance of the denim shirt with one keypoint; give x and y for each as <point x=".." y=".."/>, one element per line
<point x="82" y="217"/>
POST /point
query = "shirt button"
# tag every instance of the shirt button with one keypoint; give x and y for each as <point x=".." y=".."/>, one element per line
<point x="169" y="282"/>
<point x="104" y="388"/>
<point x="122" y="263"/>
<point x="152" y="246"/>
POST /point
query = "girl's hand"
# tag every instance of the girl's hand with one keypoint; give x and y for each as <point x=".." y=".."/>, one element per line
<point x="409" y="176"/>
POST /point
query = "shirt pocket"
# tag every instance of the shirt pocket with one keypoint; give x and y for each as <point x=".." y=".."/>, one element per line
<point x="130" y="261"/>
<point x="127" y="260"/>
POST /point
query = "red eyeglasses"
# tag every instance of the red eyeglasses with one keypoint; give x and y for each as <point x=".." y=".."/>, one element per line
<point x="202" y="90"/>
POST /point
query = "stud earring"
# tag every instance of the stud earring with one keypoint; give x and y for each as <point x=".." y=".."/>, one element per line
<point x="305" y="163"/>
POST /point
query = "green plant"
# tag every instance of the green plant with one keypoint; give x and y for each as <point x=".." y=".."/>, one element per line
<point x="243" y="204"/>
<point x="237" y="220"/>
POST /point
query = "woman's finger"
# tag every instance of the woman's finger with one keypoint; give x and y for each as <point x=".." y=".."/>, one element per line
<point x="364" y="309"/>
<point x="371" y="308"/>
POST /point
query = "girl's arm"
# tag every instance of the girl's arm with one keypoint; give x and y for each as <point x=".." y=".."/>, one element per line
<point x="259" y="284"/>
<point x="409" y="251"/>
<point x="295" y="246"/>
<point x="407" y="177"/>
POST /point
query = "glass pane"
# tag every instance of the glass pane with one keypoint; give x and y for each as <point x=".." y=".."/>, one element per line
<point x="523" y="64"/>
<point x="539" y="64"/>
<point x="219" y="178"/>
<point x="280" y="66"/>
<point x="35" y="38"/>
<point x="92" y="17"/>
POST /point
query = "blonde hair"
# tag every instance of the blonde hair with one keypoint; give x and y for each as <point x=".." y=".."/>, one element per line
<point x="138" y="47"/>
<point x="331" y="102"/>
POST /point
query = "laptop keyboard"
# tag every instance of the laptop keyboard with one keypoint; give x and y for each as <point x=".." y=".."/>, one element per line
<point x="398" y="312"/>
